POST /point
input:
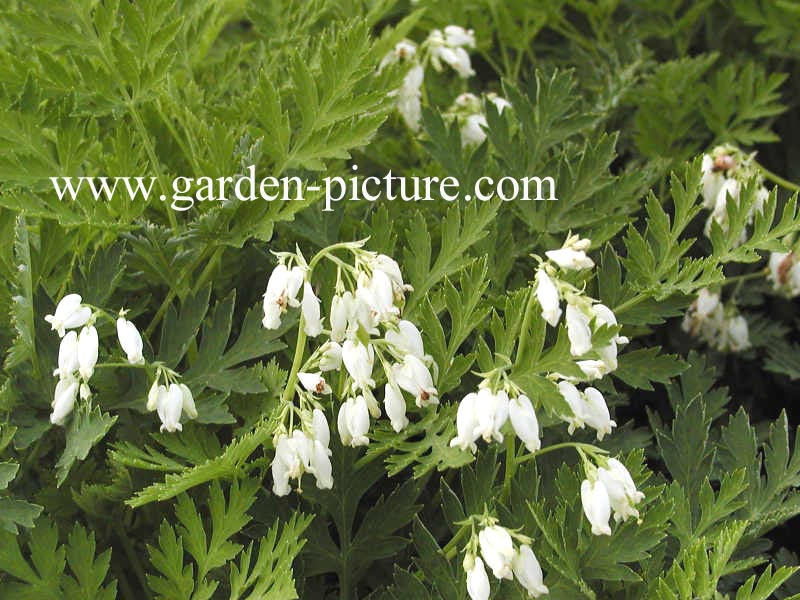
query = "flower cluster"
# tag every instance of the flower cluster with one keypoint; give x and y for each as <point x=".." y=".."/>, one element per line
<point x="720" y="326"/>
<point x="596" y="355"/>
<point x="442" y="48"/>
<point x="725" y="170"/>
<point x="494" y="547"/>
<point x="366" y="342"/>
<point x="77" y="359"/>
<point x="784" y="273"/>
<point x="483" y="414"/>
<point x="606" y="488"/>
<point x="467" y="111"/>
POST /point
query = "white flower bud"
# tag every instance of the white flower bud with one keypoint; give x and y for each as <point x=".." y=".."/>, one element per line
<point x="67" y="355"/>
<point x="395" y="406"/>
<point x="547" y="295"/>
<point x="407" y="340"/>
<point x="477" y="580"/>
<point x="580" y="335"/>
<point x="64" y="399"/>
<point x="187" y="405"/>
<point x="310" y="311"/>
<point x="131" y="341"/>
<point x="467" y="424"/>
<point x="321" y="466"/>
<point x="319" y="425"/>
<point x="358" y="360"/>
<point x="331" y="358"/>
<point x="87" y="352"/>
<point x="153" y="395"/>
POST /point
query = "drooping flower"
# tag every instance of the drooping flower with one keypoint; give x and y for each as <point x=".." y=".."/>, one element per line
<point x="608" y="353"/>
<point x="578" y="330"/>
<point x="547" y="295"/>
<point x="87" y="352"/>
<point x="358" y="359"/>
<point x="497" y="549"/>
<point x="69" y="314"/>
<point x="67" y="355"/>
<point x="596" y="413"/>
<point x="573" y="398"/>
<point x="187" y="401"/>
<point x="64" y="399"/>
<point x="784" y="273"/>
<point x="414" y="377"/>
<point x="309" y="308"/>
<point x="154" y="395"/>
<point x="596" y="506"/>
<point x="449" y="47"/>
<point x="282" y="288"/>
<point x="473" y="131"/>
<point x="331" y="357"/>
<point x="130" y="340"/>
<point x="622" y="493"/>
<point x="572" y="255"/>
<point x="314" y="383"/>
<point x="524" y="421"/>
<point x="320" y="430"/>
<point x="467" y="424"/>
<point x="170" y="406"/>
<point x="395" y="406"/>
<point x="298" y="454"/>
<point x="491" y="409"/>
<point x="407" y="340"/>
<point x="477" y="579"/>
<point x="528" y="572"/>
<point x="353" y="422"/>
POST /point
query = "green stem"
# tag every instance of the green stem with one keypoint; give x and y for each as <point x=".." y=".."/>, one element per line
<point x="746" y="277"/>
<point x="575" y="445"/>
<point x="775" y="178"/>
<point x="451" y="548"/>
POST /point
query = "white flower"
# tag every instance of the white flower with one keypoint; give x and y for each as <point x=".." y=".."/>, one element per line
<point x="319" y="427"/>
<point x="596" y="506"/>
<point x="608" y="354"/>
<point x="154" y="395"/>
<point x="593" y="369"/>
<point x="314" y="383"/>
<point x="737" y="335"/>
<point x="572" y="255"/>
<point x="578" y="330"/>
<point x="309" y="308"/>
<point x="500" y="103"/>
<point x="472" y="130"/>
<point x="389" y="266"/>
<point x="712" y="182"/>
<point x="67" y="355"/>
<point x="596" y="413"/>
<point x="342" y="308"/>
<point x="87" y="351"/>
<point x="170" y="405"/>
<point x="131" y="341"/>
<point x="358" y="359"/>
<point x="403" y="50"/>
<point x="282" y="288"/>
<point x="547" y="295"/>
<point x="380" y="297"/>
<point x="497" y="549"/>
<point x="456" y="35"/>
<point x="63" y="399"/>
<point x="70" y="314"/>
<point x="409" y="95"/>
<point x="331" y="358"/>
<point x="477" y="579"/>
<point x="395" y="406"/>
<point x="187" y="404"/>
<point x="524" y="421"/>
<point x="414" y="377"/>
<point x="466" y="424"/>
<point x="292" y="456"/>
<point x="407" y="340"/>
<point x="321" y="466"/>
<point x="491" y="409"/>
<point x="573" y="398"/>
<point x="784" y="273"/>
<point x="528" y="572"/>
<point x="353" y="422"/>
<point x="448" y="48"/>
<point x="622" y="493"/>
